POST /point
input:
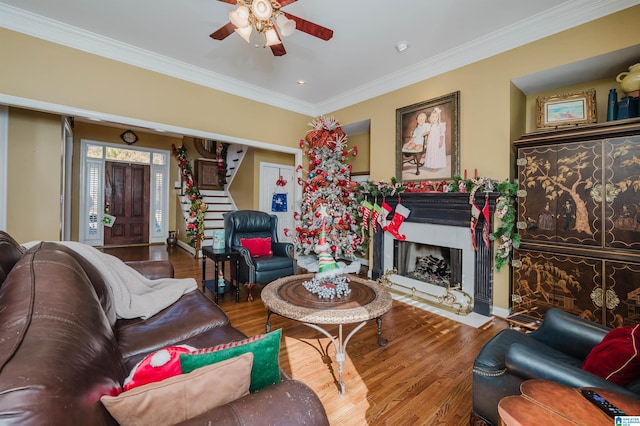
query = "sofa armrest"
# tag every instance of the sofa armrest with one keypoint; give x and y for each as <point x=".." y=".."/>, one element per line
<point x="288" y="402"/>
<point x="569" y="333"/>
<point x="523" y="362"/>
<point x="282" y="249"/>
<point x="153" y="269"/>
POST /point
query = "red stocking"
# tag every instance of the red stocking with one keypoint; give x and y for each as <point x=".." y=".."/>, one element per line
<point x="486" y="227"/>
<point x="398" y="217"/>
<point x="382" y="218"/>
<point x="475" y="214"/>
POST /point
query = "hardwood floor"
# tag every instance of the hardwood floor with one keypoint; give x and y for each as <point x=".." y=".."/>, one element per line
<point x="422" y="377"/>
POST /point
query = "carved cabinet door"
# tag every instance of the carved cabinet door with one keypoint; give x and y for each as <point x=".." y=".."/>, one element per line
<point x="621" y="193"/>
<point x="543" y="280"/>
<point x="555" y="201"/>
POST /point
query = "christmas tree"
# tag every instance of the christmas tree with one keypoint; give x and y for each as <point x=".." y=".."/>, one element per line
<point x="328" y="183"/>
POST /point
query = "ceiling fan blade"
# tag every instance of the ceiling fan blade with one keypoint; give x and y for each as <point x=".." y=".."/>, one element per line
<point x="228" y="1"/>
<point x="283" y="3"/>
<point x="310" y="28"/>
<point x="278" y="49"/>
<point x="223" y="32"/>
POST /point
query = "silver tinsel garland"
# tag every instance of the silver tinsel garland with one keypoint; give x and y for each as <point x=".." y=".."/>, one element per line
<point x="338" y="287"/>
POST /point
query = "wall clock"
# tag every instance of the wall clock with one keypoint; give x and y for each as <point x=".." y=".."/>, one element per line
<point x="129" y="137"/>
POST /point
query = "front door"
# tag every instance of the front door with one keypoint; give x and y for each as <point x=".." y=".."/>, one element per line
<point x="126" y="196"/>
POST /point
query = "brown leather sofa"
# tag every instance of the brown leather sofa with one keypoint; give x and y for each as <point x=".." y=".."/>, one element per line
<point x="59" y="354"/>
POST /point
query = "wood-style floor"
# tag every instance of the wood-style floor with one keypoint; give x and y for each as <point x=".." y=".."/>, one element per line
<point x="422" y="377"/>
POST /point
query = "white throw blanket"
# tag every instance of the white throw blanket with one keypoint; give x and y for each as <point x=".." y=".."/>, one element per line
<point x="133" y="295"/>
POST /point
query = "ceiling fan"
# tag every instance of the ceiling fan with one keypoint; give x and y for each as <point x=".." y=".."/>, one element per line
<point x="266" y="17"/>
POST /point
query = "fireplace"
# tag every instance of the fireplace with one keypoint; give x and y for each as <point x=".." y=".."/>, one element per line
<point x="438" y="225"/>
<point x="432" y="264"/>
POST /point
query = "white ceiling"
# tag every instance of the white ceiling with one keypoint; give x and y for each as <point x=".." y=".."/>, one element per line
<point x="358" y="63"/>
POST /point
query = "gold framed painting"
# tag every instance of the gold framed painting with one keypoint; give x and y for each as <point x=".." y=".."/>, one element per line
<point x="565" y="110"/>
<point x="427" y="140"/>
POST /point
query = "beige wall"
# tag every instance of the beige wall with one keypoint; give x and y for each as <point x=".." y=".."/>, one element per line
<point x="34" y="175"/>
<point x="359" y="163"/>
<point x="491" y="108"/>
<point x="493" y="112"/>
<point x="36" y="69"/>
<point x="242" y="187"/>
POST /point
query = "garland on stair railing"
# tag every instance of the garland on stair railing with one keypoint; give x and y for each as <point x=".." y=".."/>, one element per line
<point x="504" y="235"/>
<point x="195" y="221"/>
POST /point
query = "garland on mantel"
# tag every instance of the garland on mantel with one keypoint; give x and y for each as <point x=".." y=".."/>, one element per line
<point x="195" y="222"/>
<point x="504" y="236"/>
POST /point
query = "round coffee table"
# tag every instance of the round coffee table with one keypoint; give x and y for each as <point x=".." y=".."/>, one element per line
<point x="287" y="297"/>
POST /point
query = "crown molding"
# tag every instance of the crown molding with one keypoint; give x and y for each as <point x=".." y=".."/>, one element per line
<point x="56" y="32"/>
<point x="560" y="18"/>
<point x="567" y="15"/>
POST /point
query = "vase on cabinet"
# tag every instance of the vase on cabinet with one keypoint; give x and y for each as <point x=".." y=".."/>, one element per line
<point x="630" y="81"/>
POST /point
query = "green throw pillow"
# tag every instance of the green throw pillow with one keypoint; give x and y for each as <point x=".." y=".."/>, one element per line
<point x="266" y="351"/>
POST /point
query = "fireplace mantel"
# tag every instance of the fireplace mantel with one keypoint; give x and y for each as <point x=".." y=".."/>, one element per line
<point x="452" y="209"/>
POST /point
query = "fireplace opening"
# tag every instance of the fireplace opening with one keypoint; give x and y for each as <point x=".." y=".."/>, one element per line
<point x="437" y="265"/>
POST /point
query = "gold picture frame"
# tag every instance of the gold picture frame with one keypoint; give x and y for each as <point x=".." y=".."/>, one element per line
<point x="434" y="154"/>
<point x="566" y="110"/>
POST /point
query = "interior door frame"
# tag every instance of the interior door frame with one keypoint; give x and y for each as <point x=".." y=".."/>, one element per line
<point x="99" y="164"/>
<point x="65" y="178"/>
<point x="4" y="143"/>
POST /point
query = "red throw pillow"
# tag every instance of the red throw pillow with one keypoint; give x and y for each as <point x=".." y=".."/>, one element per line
<point x="257" y="246"/>
<point x="616" y="357"/>
<point x="157" y="366"/>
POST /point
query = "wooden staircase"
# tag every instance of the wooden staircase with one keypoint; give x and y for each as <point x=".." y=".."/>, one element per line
<point x="218" y="201"/>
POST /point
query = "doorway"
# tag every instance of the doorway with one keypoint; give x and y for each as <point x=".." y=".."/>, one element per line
<point x="128" y="184"/>
<point x="277" y="196"/>
<point x="126" y="197"/>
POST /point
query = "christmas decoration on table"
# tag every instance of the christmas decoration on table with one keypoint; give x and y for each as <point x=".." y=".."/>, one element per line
<point x="221" y="283"/>
<point x="327" y="181"/>
<point x="330" y="281"/>
<point x="505" y="237"/>
<point x="195" y="221"/>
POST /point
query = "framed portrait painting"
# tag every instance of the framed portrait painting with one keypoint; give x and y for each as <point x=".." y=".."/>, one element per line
<point x="427" y="140"/>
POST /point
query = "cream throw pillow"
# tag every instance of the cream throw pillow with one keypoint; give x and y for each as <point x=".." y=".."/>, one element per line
<point x="182" y="397"/>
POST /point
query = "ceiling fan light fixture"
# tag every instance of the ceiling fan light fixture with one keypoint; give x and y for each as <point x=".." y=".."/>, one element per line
<point x="261" y="9"/>
<point x="287" y="26"/>
<point x="245" y="33"/>
<point x="240" y="17"/>
<point x="271" y="37"/>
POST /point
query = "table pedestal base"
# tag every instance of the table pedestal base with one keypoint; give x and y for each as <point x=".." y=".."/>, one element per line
<point x="340" y="344"/>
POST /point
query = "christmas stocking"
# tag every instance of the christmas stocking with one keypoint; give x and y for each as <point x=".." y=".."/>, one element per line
<point x="486" y="227"/>
<point x="366" y="211"/>
<point x="382" y="217"/>
<point x="475" y="214"/>
<point x="375" y="217"/>
<point x="399" y="216"/>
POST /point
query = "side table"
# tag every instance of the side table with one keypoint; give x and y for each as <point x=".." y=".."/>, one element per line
<point x="219" y="256"/>
<point x="367" y="300"/>
<point x="543" y="402"/>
